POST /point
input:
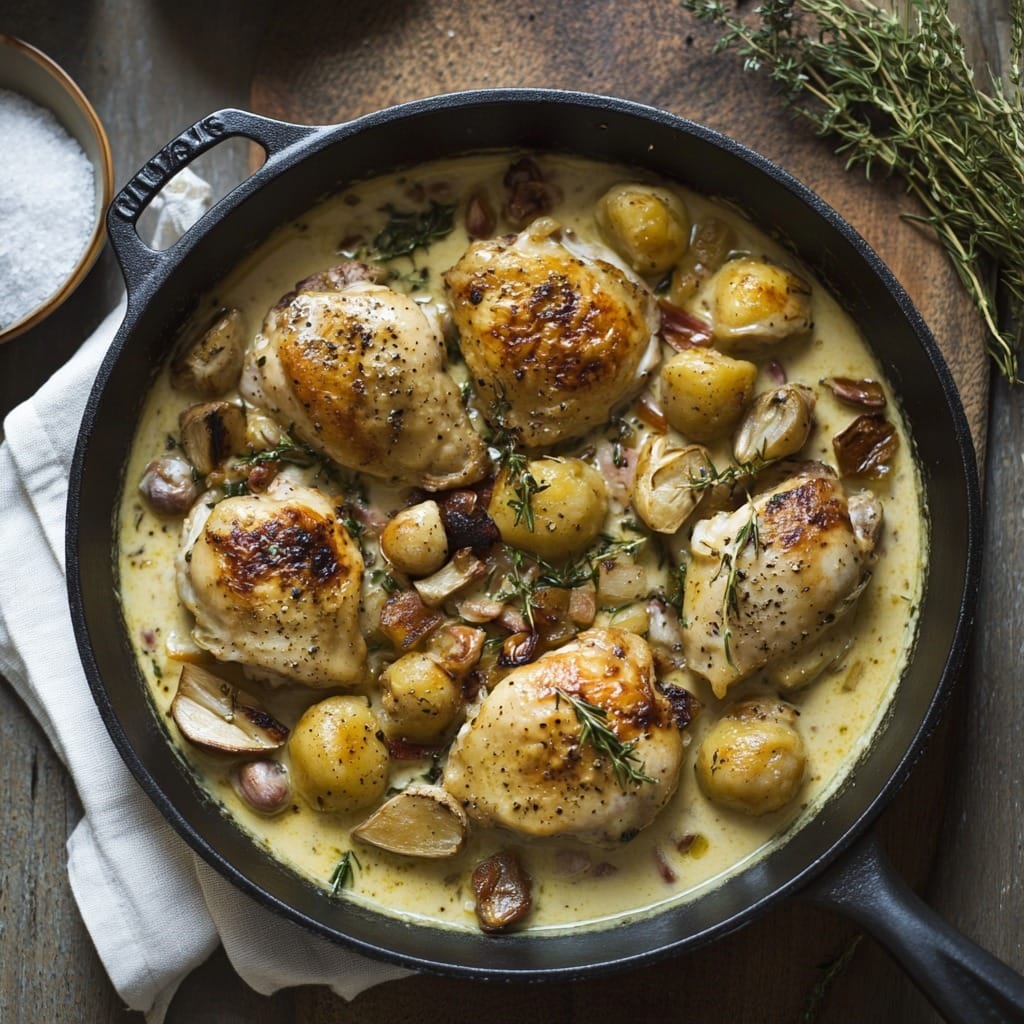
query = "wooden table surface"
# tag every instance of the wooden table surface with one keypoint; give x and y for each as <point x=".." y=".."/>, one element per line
<point x="957" y="829"/>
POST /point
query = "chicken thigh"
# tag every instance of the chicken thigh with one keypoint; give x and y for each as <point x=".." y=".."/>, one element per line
<point x="274" y="583"/>
<point x="554" y="334"/>
<point x="770" y="578"/>
<point x="524" y="762"/>
<point x="359" y="374"/>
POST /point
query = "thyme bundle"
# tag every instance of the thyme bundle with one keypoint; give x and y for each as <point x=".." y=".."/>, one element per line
<point x="899" y="95"/>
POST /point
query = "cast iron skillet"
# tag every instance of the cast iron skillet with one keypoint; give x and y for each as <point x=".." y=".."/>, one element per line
<point x="306" y="163"/>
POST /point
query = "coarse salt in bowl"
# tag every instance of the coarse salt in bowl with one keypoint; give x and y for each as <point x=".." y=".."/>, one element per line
<point x="56" y="181"/>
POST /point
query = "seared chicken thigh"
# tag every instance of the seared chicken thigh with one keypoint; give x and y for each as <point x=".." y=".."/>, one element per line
<point x="274" y="583"/>
<point x="523" y="762"/>
<point x="554" y="334"/>
<point x="770" y="578"/>
<point x="359" y="374"/>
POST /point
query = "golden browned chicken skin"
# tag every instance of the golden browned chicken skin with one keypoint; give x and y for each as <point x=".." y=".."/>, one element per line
<point x="274" y="583"/>
<point x="523" y="763"/>
<point x="553" y="336"/>
<point x="803" y="569"/>
<point x="359" y="374"/>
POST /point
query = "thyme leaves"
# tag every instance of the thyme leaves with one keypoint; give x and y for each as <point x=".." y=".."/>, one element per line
<point x="897" y="92"/>
<point x="747" y="534"/>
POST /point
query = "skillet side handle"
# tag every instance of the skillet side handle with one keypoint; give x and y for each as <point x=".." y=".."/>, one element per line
<point x="137" y="259"/>
<point x="963" y="982"/>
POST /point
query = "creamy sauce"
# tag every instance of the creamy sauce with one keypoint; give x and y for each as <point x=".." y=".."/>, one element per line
<point x="693" y="844"/>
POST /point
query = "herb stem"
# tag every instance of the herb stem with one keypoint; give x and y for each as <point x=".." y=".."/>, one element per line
<point x="595" y="731"/>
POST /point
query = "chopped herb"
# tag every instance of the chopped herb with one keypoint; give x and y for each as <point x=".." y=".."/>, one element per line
<point x="514" y="464"/>
<point x="518" y="584"/>
<point x="286" y="450"/>
<point x="157" y="671"/>
<point x="344" y="872"/>
<point x="594" y="730"/>
<point x="385" y="581"/>
<point x="409" y="230"/>
<point x="235" y="488"/>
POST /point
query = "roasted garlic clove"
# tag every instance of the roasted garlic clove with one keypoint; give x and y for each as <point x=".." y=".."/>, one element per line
<point x="264" y="786"/>
<point x="463" y="568"/>
<point x="420" y="821"/>
<point x="663" y="491"/>
<point x="866" y="447"/>
<point x="169" y="486"/>
<point x="864" y="392"/>
<point x="777" y="424"/>
<point x="213" y="713"/>
<point x="212" y="432"/>
<point x="503" y="891"/>
<point x="212" y="363"/>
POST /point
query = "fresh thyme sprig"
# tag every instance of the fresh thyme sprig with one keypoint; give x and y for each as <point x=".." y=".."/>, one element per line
<point x="518" y="583"/>
<point x="514" y="464"/>
<point x="595" y="731"/>
<point x="344" y="872"/>
<point x="898" y="93"/>
<point x="711" y="476"/>
<point x="748" y="533"/>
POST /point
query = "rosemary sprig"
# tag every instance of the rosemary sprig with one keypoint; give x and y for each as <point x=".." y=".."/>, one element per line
<point x="747" y="534"/>
<point x="409" y="230"/>
<point x="594" y="730"/>
<point x="344" y="872"/>
<point x="898" y="93"/>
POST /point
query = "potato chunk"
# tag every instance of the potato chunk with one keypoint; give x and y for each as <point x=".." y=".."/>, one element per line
<point x="421" y="701"/>
<point x="567" y="507"/>
<point x="754" y="302"/>
<point x="704" y="392"/>
<point x="648" y="227"/>
<point x="753" y="759"/>
<point x="339" y="762"/>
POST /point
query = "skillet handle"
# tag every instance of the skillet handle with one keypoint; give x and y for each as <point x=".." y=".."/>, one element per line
<point x="137" y="259"/>
<point x="964" y="983"/>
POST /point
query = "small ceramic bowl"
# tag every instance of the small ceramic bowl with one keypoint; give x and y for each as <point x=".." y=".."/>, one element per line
<point x="26" y="70"/>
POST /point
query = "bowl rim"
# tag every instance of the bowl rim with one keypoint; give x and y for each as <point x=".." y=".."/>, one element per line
<point x="105" y="168"/>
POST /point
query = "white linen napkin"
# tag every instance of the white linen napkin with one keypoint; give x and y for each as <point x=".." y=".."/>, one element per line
<point x="154" y="910"/>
